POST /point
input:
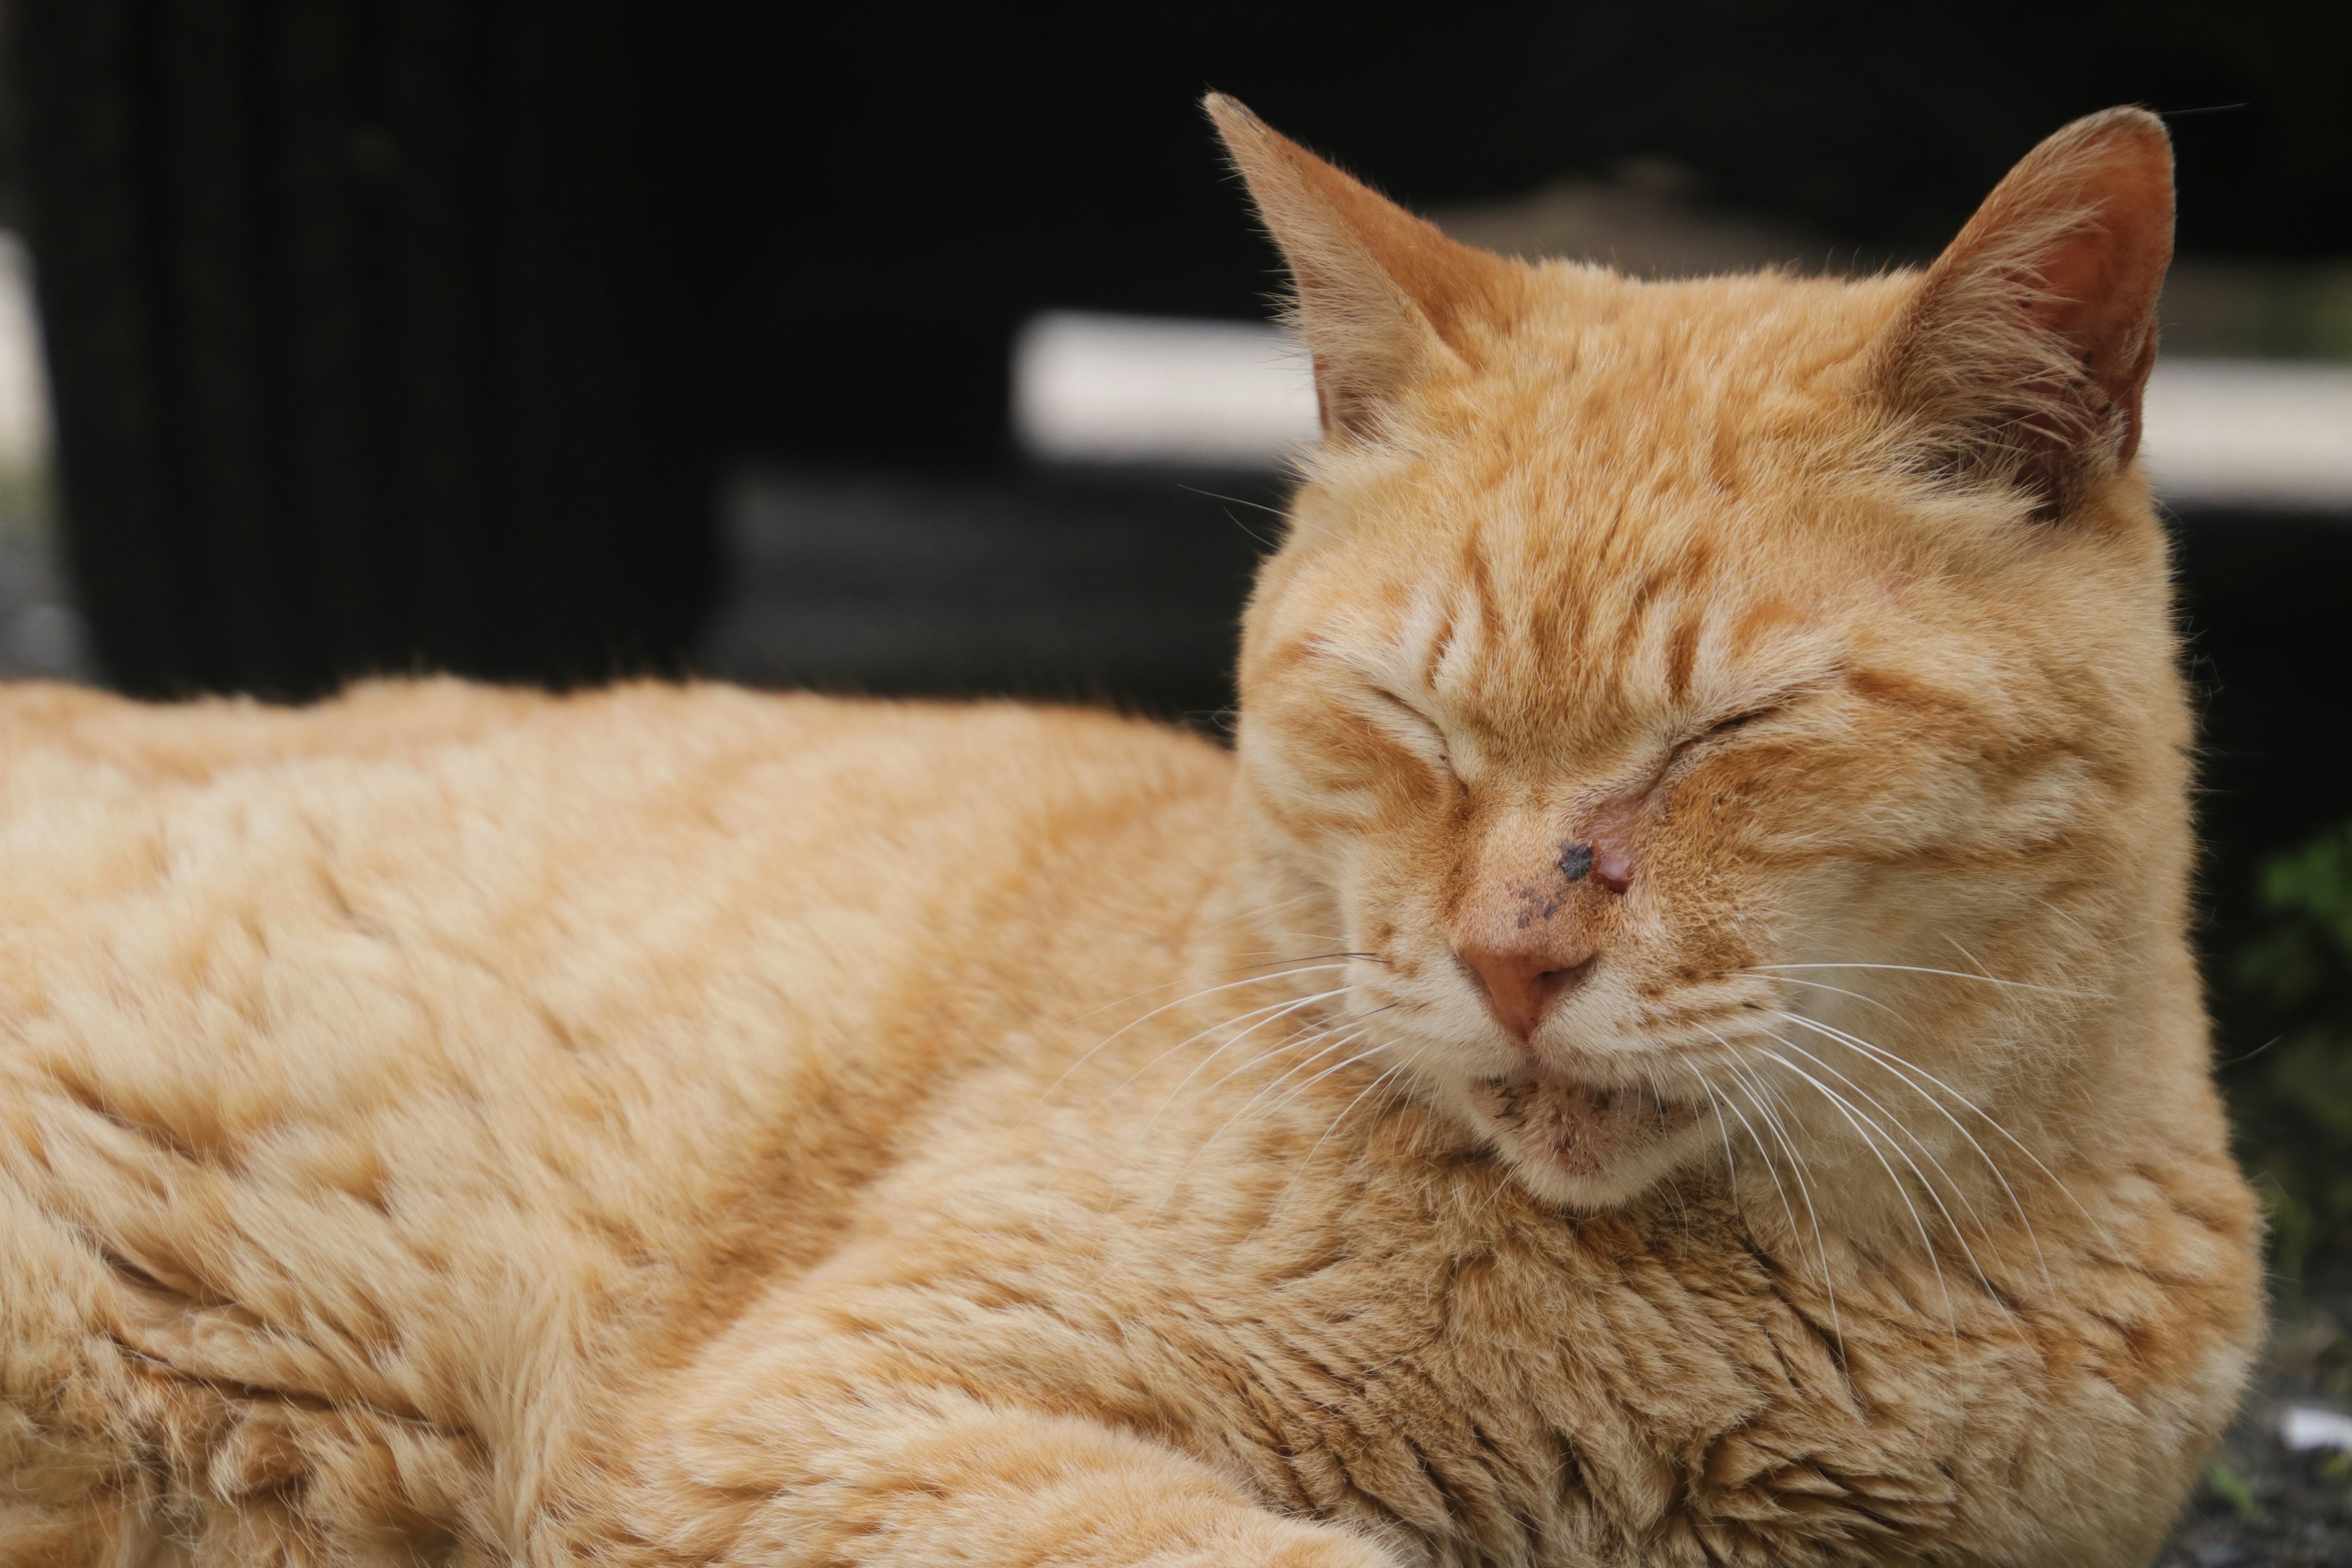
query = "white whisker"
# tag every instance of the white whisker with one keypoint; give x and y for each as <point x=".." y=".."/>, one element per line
<point x="1272" y="1013"/>
<point x="1275" y="1084"/>
<point x="1854" y="1121"/>
<point x="1232" y="1120"/>
<point x="1796" y="1170"/>
<point x="1920" y="1143"/>
<point x="1994" y="1124"/>
<point x="1299" y="1089"/>
<point x="1297" y="1039"/>
<point x="1821" y="985"/>
<point x="1347" y="1110"/>
<point x="1767" y="1102"/>
<point x="1949" y="973"/>
<point x="1717" y="1100"/>
<point x="1272" y="964"/>
<point x="1314" y="1148"/>
<point x="1901" y="1069"/>
<point x="1208" y="990"/>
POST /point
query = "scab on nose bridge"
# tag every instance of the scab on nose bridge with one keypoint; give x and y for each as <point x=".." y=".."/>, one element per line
<point x="1608" y="864"/>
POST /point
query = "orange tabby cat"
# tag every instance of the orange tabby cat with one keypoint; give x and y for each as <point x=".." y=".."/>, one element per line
<point x="1670" y="1040"/>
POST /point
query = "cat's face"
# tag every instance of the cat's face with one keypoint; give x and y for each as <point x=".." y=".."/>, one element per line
<point x="1627" y="667"/>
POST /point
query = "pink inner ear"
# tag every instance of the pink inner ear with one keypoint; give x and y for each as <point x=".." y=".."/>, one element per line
<point x="2030" y="342"/>
<point x="1374" y="282"/>
<point x="2100" y="283"/>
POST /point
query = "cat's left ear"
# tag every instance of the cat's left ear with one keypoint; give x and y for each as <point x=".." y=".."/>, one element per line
<point x="1383" y="296"/>
<point x="2024" y="355"/>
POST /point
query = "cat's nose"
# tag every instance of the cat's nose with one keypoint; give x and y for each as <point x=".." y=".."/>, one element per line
<point x="1521" y="982"/>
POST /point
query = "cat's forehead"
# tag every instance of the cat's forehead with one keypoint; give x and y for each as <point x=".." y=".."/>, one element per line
<point x="1684" y="436"/>
<point x="1622" y="428"/>
<point x="1608" y="389"/>
<point x="1622" y="514"/>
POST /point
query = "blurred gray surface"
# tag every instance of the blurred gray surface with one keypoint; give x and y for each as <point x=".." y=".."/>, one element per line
<point x="1075" y="585"/>
<point x="40" y="633"/>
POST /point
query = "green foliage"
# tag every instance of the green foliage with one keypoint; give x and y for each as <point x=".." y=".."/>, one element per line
<point x="2291" y="978"/>
<point x="2230" y="1488"/>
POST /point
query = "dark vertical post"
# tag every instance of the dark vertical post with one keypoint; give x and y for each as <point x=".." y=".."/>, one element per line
<point x="355" y="317"/>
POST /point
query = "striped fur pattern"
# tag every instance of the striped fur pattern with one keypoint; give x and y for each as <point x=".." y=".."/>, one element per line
<point x="1669" y="1039"/>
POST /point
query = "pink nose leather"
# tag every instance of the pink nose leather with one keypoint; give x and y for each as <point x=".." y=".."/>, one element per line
<point x="1521" y="982"/>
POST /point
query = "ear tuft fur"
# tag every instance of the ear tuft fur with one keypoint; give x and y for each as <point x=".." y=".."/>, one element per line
<point x="2023" y="357"/>
<point x="1381" y="297"/>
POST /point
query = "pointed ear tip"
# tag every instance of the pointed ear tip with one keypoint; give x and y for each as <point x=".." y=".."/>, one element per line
<point x="1229" y="114"/>
<point x="2125" y="127"/>
<point x="1255" y="149"/>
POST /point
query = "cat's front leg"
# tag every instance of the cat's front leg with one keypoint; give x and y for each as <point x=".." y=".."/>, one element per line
<point x="931" y="1477"/>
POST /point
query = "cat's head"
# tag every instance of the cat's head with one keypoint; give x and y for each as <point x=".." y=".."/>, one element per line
<point x="1658" y="676"/>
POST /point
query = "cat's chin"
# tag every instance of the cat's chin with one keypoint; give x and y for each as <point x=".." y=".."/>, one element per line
<point x="1581" y="1144"/>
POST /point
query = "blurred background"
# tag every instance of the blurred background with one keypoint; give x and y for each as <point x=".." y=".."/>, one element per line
<point x="898" y="349"/>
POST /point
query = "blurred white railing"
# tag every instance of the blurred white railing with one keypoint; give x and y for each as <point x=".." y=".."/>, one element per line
<point x="24" y="381"/>
<point x="1140" y="389"/>
<point x="1144" y="389"/>
<point x="2251" y="433"/>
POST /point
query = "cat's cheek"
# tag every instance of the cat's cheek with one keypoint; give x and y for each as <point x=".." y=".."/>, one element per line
<point x="1322" y="785"/>
<point x="1306" y="786"/>
<point x="1787" y="806"/>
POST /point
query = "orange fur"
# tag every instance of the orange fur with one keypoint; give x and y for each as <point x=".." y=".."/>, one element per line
<point x="680" y="1126"/>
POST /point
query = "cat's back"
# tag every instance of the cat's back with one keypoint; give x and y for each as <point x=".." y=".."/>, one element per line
<point x="441" y="807"/>
<point x="352" y="1050"/>
<point x="362" y="887"/>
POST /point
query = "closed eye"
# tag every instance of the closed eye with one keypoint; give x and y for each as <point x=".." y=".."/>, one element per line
<point x="1406" y="725"/>
<point x="1741" y="720"/>
<point x="1722" y="728"/>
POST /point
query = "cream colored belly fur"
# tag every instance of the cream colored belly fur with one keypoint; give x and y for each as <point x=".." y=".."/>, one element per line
<point x="655" y="1127"/>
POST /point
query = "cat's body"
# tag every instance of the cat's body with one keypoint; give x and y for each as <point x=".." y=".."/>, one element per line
<point x="677" y="1126"/>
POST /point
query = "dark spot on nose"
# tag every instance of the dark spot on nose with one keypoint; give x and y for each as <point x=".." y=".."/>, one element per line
<point x="1575" y="860"/>
<point x="1539" y="904"/>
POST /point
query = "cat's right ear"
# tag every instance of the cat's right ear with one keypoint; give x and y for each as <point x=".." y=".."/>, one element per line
<point x="1383" y="297"/>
